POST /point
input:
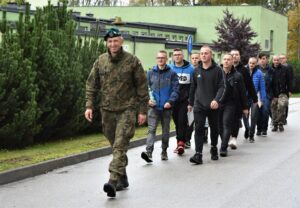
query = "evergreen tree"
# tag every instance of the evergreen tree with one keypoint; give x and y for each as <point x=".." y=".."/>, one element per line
<point x="237" y="34"/>
<point x="43" y="69"/>
<point x="18" y="107"/>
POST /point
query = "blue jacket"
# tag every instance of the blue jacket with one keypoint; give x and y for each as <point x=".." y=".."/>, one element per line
<point x="259" y="83"/>
<point x="268" y="75"/>
<point x="185" y="74"/>
<point x="164" y="85"/>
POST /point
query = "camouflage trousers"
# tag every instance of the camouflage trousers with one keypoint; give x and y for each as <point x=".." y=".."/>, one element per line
<point x="118" y="128"/>
<point x="278" y="109"/>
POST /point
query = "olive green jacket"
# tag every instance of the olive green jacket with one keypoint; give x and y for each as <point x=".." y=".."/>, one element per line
<point x="120" y="81"/>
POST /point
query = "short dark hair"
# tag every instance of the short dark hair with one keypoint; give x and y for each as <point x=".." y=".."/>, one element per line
<point x="260" y="55"/>
<point x="163" y="51"/>
<point x="235" y="50"/>
<point x="177" y="49"/>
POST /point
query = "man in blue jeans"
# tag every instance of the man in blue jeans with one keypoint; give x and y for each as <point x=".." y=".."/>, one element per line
<point x="264" y="111"/>
<point x="163" y="89"/>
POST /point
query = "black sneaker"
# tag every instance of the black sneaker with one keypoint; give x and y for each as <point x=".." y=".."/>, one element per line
<point x="264" y="133"/>
<point x="251" y="140"/>
<point x="164" y="155"/>
<point x="246" y="134"/>
<point x="122" y="183"/>
<point x="258" y="133"/>
<point x="214" y="153"/>
<point x="187" y="145"/>
<point x="275" y="128"/>
<point x="281" y="129"/>
<point x="147" y="156"/>
<point x="197" y="158"/>
<point x="223" y="152"/>
<point x="110" y="188"/>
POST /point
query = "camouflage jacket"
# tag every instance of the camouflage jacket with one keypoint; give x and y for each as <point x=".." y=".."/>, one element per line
<point x="120" y="81"/>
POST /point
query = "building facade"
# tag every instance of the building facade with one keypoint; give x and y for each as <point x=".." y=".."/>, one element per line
<point x="147" y="30"/>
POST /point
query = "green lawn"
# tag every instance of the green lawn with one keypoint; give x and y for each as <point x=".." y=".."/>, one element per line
<point x="11" y="159"/>
<point x="296" y="95"/>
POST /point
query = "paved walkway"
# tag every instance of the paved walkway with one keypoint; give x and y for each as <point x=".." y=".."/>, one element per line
<point x="263" y="174"/>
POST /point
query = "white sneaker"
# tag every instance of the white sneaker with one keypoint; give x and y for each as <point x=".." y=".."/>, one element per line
<point x="232" y="143"/>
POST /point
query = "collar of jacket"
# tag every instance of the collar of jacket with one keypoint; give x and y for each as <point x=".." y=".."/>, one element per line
<point x="117" y="57"/>
<point x="254" y="70"/>
<point x="166" y="68"/>
<point x="278" y="67"/>
<point x="213" y="64"/>
<point x="185" y="64"/>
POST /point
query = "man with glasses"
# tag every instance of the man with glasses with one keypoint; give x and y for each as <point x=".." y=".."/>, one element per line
<point x="184" y="72"/>
<point x="121" y="81"/>
<point x="163" y="87"/>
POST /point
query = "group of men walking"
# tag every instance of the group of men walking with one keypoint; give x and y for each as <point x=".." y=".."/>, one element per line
<point x="222" y="94"/>
<point x="214" y="96"/>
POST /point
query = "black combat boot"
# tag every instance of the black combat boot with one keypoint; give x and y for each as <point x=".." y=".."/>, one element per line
<point x="275" y="128"/>
<point x="122" y="182"/>
<point x="280" y="126"/>
<point x="110" y="188"/>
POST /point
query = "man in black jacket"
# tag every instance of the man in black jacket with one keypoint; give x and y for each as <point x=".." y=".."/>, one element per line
<point x="281" y="89"/>
<point x="206" y="92"/>
<point x="251" y="93"/>
<point x="283" y="61"/>
<point x="234" y="103"/>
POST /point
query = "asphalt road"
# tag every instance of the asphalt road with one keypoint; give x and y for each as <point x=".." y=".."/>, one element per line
<point x="263" y="174"/>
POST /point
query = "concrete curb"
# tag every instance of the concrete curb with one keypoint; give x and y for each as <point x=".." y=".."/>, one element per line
<point x="44" y="167"/>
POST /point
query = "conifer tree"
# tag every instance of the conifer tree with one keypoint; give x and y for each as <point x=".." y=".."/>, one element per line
<point x="18" y="107"/>
<point x="43" y="69"/>
<point x="237" y="34"/>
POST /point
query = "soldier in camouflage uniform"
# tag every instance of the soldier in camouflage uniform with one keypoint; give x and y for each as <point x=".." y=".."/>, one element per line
<point x="281" y="89"/>
<point x="120" y="80"/>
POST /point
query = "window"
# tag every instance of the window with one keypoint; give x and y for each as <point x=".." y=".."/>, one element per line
<point x="266" y="44"/>
<point x="186" y="38"/>
<point x="174" y="37"/>
<point x="167" y="37"/>
<point x="159" y="35"/>
<point x="83" y="28"/>
<point x="143" y="33"/>
<point x="271" y="39"/>
<point x="181" y="38"/>
<point x="135" y="33"/>
<point x="125" y="32"/>
<point x="152" y="34"/>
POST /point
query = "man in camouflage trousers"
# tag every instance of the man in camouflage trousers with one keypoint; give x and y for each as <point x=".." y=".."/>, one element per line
<point x="121" y="81"/>
<point x="281" y="89"/>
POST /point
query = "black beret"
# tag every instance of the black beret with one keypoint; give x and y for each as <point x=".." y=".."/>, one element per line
<point x="111" y="33"/>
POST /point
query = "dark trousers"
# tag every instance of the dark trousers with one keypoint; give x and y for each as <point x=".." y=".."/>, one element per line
<point x="254" y="116"/>
<point x="226" y="116"/>
<point x="180" y="120"/>
<point x="189" y="132"/>
<point x="235" y="127"/>
<point x="263" y="116"/>
<point x="199" y="118"/>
